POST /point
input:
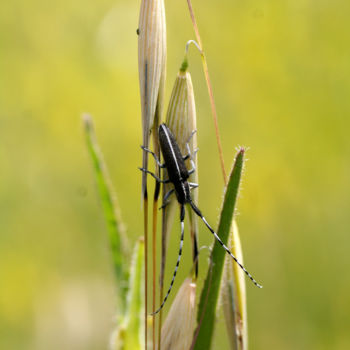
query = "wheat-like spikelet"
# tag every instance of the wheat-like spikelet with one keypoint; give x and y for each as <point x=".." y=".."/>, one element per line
<point x="152" y="60"/>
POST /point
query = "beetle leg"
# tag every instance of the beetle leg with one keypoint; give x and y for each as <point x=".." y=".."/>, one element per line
<point x="191" y="158"/>
<point x="192" y="133"/>
<point x="193" y="168"/>
<point x="164" y="205"/>
<point x="188" y="155"/>
<point x="155" y="176"/>
<point x="154" y="156"/>
<point x="193" y="185"/>
<point x="165" y="201"/>
<point x="168" y="194"/>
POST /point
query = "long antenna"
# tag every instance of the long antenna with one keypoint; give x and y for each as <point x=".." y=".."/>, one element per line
<point x="182" y="218"/>
<point x="198" y="212"/>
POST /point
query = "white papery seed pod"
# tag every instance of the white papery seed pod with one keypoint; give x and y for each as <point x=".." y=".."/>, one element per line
<point x="178" y="328"/>
<point x="152" y="61"/>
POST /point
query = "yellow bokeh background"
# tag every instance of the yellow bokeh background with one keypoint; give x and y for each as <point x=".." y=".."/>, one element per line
<point x="281" y="77"/>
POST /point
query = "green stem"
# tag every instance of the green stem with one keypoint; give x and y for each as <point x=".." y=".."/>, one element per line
<point x="116" y="228"/>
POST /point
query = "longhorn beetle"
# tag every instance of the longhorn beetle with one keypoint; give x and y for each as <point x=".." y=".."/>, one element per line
<point x="174" y="163"/>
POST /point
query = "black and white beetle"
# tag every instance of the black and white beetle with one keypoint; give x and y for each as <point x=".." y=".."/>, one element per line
<point x="174" y="162"/>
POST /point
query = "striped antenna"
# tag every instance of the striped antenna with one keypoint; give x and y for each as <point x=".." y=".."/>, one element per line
<point x="199" y="213"/>
<point x="182" y="218"/>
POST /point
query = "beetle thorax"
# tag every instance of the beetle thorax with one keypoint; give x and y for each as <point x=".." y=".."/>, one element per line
<point x="182" y="191"/>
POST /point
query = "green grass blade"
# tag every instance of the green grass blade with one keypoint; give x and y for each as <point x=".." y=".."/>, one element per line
<point x="134" y="329"/>
<point x="110" y="208"/>
<point x="209" y="297"/>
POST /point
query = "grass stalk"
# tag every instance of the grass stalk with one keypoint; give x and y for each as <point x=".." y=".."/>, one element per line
<point x="145" y="237"/>
<point x="135" y="301"/>
<point x="210" y="90"/>
<point x="154" y="259"/>
<point x="156" y="148"/>
<point x="111" y="210"/>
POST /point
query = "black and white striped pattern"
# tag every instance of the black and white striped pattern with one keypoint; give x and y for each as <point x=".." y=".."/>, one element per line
<point x="198" y="212"/>
<point x="182" y="218"/>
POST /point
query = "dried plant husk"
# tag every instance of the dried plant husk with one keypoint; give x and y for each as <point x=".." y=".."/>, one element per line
<point x="177" y="331"/>
<point x="152" y="61"/>
<point x="234" y="295"/>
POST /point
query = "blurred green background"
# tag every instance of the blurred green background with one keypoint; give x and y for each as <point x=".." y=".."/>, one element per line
<point x="281" y="77"/>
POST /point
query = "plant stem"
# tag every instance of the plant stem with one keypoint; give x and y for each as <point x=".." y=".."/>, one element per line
<point x="154" y="256"/>
<point x="210" y="90"/>
<point x="111" y="210"/>
<point x="145" y="230"/>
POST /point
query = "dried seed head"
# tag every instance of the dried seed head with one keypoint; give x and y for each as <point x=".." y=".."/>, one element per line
<point x="234" y="294"/>
<point x="181" y="114"/>
<point x="178" y="328"/>
<point x="152" y="60"/>
<point x="241" y="297"/>
<point x="181" y="118"/>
